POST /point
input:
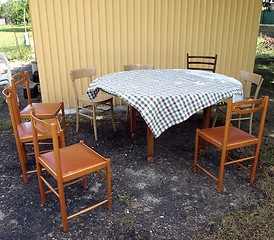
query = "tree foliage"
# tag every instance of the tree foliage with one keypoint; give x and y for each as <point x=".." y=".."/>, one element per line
<point x="13" y="10"/>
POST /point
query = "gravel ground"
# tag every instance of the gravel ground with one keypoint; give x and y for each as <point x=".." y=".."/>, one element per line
<point x="168" y="200"/>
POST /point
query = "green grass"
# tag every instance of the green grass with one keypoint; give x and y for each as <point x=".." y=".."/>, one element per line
<point x="5" y="124"/>
<point x="264" y="63"/>
<point x="8" y="43"/>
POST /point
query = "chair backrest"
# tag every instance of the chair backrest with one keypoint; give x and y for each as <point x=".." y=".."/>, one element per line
<point x="6" y="76"/>
<point x="81" y="73"/>
<point x="138" y="67"/>
<point x="248" y="79"/>
<point x="12" y="102"/>
<point x="46" y="130"/>
<point x="24" y="78"/>
<point x="207" y="63"/>
<point x="259" y="105"/>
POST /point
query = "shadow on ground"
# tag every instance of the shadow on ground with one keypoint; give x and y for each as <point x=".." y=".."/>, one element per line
<point x="170" y="201"/>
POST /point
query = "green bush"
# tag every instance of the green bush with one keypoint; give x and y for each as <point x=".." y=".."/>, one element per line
<point x="265" y="45"/>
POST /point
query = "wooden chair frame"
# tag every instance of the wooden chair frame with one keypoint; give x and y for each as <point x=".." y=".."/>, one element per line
<point x="22" y="131"/>
<point x="43" y="110"/>
<point x="83" y="101"/>
<point x="59" y="155"/>
<point x="207" y="63"/>
<point x="248" y="79"/>
<point x="228" y="137"/>
<point x="136" y="67"/>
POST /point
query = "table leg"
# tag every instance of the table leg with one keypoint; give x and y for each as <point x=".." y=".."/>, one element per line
<point x="150" y="145"/>
<point x="206" y="117"/>
<point x="133" y="122"/>
<point x="206" y="122"/>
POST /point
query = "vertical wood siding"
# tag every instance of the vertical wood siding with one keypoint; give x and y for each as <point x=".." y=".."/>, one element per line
<point x="71" y="34"/>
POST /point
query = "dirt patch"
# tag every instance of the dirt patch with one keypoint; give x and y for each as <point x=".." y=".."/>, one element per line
<point x="170" y="201"/>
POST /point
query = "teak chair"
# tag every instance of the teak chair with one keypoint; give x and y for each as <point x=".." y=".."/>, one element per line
<point x="65" y="165"/>
<point x="136" y="67"/>
<point x="23" y="131"/>
<point x="228" y="137"/>
<point x="42" y="110"/>
<point x="248" y="79"/>
<point x="83" y="101"/>
<point x="207" y="63"/>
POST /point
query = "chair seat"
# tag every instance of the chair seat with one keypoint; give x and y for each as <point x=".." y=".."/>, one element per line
<point x="100" y="99"/>
<point x="42" y="110"/>
<point x="236" y="137"/>
<point x="74" y="158"/>
<point x="25" y="130"/>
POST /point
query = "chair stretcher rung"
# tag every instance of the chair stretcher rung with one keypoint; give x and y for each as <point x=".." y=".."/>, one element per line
<point x="66" y="185"/>
<point x="87" y="209"/>
<point x="208" y="173"/>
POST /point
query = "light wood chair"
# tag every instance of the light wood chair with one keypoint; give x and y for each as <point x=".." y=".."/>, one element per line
<point x="68" y="165"/>
<point x="42" y="110"/>
<point x="136" y="67"/>
<point x="206" y="63"/>
<point x="228" y="137"/>
<point x="82" y="101"/>
<point x="23" y="131"/>
<point x="248" y="80"/>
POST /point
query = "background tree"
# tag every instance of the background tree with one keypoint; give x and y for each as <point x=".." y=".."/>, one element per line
<point x="14" y="11"/>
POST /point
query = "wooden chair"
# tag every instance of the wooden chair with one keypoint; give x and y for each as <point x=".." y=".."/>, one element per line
<point x="207" y="63"/>
<point x="83" y="101"/>
<point x="228" y="137"/>
<point x="42" y="110"/>
<point x="136" y="67"/>
<point x="68" y="164"/>
<point x="248" y="80"/>
<point x="23" y="131"/>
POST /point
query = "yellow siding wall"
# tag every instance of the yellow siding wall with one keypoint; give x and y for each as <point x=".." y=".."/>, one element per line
<point x="71" y="34"/>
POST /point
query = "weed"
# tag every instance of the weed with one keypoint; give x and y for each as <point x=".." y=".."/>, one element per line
<point x="5" y="124"/>
<point x="130" y="223"/>
<point x="126" y="197"/>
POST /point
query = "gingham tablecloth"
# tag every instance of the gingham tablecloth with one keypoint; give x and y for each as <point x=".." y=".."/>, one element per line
<point x="165" y="97"/>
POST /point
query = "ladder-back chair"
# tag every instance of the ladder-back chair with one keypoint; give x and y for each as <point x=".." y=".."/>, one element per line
<point x="206" y="63"/>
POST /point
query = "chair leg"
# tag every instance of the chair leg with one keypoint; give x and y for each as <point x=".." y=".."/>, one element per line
<point x="221" y="171"/>
<point x="41" y="183"/>
<point x="250" y="123"/>
<point x="239" y="121"/>
<point x="64" y="119"/>
<point x="85" y="181"/>
<point x="77" y="118"/>
<point x="108" y="184"/>
<point x="23" y="160"/>
<point x="255" y="162"/>
<point x="63" y="206"/>
<point x="112" y="116"/>
<point x="94" y="122"/>
<point x="196" y="150"/>
<point x="215" y="115"/>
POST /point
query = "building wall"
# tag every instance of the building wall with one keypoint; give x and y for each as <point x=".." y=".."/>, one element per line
<point x="71" y="34"/>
